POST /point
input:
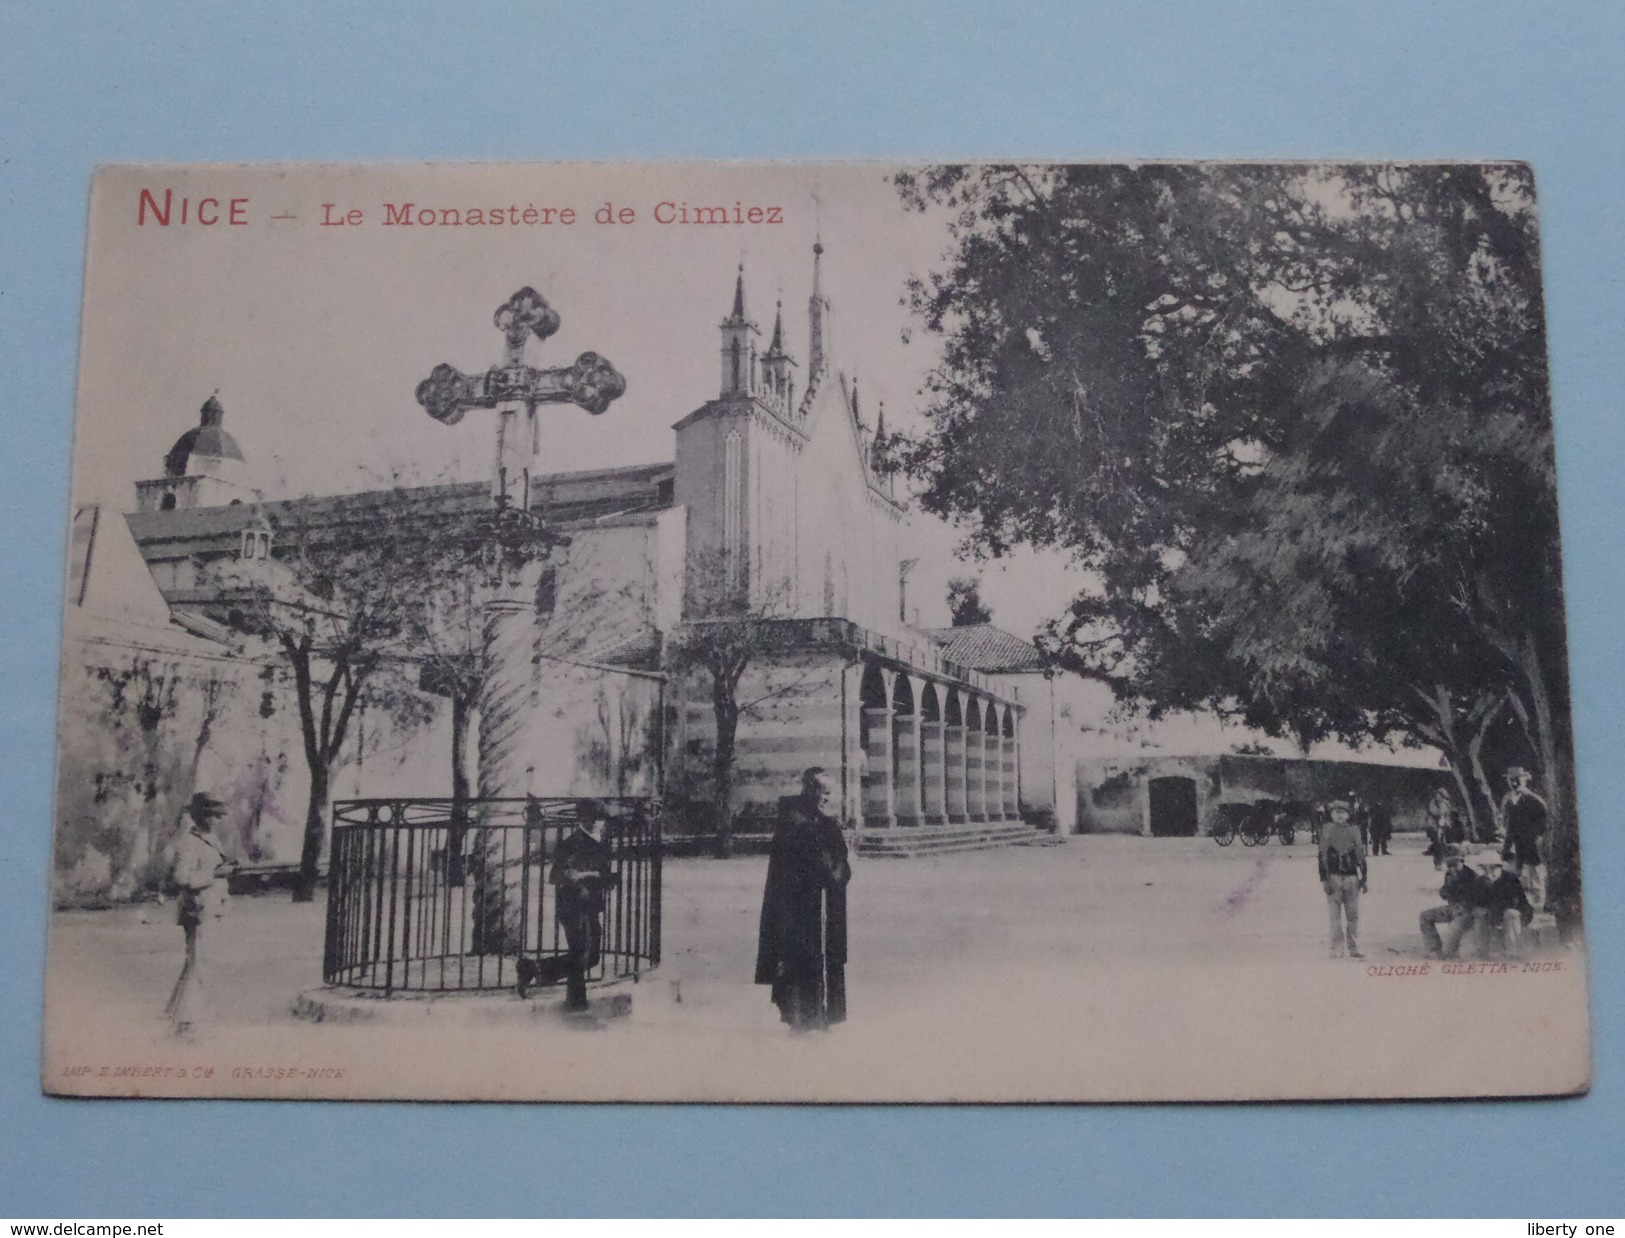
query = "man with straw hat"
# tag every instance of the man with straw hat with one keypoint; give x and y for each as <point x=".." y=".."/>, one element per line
<point x="199" y="872"/>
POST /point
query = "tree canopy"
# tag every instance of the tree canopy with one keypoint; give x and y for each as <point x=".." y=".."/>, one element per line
<point x="1291" y="422"/>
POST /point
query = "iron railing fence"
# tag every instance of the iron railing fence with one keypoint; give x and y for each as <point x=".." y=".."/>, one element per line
<point x="425" y="895"/>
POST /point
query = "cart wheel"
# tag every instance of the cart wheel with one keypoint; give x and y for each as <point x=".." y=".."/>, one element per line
<point x="1288" y="835"/>
<point x="1224" y="837"/>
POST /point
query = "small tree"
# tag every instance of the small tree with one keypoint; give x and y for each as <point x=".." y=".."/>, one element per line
<point x="731" y="633"/>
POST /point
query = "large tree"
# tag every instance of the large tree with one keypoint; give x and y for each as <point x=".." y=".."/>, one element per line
<point x="1292" y="422"/>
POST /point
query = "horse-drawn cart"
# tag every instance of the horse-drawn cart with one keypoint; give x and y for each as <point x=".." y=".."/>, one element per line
<point x="1255" y="822"/>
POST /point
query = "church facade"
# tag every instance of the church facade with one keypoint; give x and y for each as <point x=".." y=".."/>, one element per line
<point x="793" y="524"/>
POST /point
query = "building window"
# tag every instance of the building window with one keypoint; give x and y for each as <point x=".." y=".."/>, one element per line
<point x="732" y="525"/>
<point x="547" y="594"/>
<point x="256" y="544"/>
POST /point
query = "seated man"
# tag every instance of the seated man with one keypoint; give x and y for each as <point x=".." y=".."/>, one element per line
<point x="1504" y="910"/>
<point x="1443" y="927"/>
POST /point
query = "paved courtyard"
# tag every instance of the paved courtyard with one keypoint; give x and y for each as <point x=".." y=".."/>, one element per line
<point x="1107" y="967"/>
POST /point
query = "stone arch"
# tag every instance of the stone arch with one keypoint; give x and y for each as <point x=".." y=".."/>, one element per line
<point x="930" y="710"/>
<point x="902" y="697"/>
<point x="872" y="692"/>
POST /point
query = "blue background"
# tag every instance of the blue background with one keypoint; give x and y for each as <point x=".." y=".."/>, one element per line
<point x="92" y="83"/>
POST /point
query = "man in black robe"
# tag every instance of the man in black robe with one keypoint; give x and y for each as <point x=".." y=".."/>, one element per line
<point x="801" y="950"/>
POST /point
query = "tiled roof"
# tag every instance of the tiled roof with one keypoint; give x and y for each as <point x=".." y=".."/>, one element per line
<point x="983" y="647"/>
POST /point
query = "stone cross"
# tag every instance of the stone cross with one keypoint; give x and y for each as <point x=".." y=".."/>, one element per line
<point x="517" y="389"/>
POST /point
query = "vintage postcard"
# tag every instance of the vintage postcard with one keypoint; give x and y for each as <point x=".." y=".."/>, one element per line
<point x="815" y="633"/>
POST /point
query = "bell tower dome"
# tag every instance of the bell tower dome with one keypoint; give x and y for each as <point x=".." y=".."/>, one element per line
<point x="205" y="468"/>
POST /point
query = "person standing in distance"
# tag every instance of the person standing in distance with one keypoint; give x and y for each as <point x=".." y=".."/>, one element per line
<point x="1343" y="877"/>
<point x="1382" y="826"/>
<point x="198" y="873"/>
<point x="801" y="944"/>
<point x="1444" y="826"/>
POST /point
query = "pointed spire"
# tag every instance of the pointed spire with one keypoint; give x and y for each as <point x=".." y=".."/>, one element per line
<point x="778" y="329"/>
<point x="880" y="422"/>
<point x="856" y="415"/>
<point x="739" y="355"/>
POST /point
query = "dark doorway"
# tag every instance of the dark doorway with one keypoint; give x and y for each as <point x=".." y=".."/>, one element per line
<point x="1173" y="807"/>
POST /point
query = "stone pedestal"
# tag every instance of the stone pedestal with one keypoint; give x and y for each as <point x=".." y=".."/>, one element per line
<point x="510" y="637"/>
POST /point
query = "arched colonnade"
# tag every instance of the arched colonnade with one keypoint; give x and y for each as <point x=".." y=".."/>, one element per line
<point x="936" y="753"/>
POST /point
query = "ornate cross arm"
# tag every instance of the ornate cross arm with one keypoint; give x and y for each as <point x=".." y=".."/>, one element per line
<point x="592" y="383"/>
<point x="522" y="315"/>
